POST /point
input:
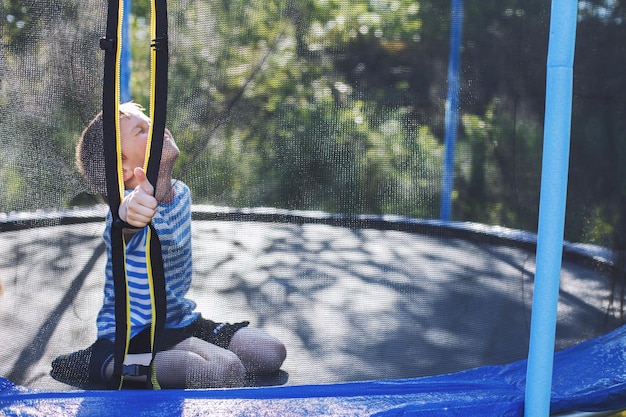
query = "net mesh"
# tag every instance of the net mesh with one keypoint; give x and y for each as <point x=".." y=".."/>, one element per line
<point x="311" y="137"/>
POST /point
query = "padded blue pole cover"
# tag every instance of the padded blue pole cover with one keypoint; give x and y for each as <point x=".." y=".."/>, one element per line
<point x="555" y="163"/>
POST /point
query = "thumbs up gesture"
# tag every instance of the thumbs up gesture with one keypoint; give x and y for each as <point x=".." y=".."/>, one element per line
<point x="138" y="207"/>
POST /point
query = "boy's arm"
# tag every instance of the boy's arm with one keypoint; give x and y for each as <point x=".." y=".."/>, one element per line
<point x="139" y="207"/>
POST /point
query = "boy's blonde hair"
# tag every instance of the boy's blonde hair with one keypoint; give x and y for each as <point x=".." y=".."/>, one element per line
<point x="90" y="149"/>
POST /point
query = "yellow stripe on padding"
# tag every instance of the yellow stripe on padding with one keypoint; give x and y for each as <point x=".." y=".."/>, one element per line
<point x="155" y="383"/>
<point x="120" y="175"/>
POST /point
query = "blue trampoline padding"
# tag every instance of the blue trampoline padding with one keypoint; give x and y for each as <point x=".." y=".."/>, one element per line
<point x="588" y="377"/>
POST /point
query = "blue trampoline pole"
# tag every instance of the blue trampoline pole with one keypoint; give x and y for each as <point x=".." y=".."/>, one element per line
<point x="556" y="140"/>
<point x="452" y="109"/>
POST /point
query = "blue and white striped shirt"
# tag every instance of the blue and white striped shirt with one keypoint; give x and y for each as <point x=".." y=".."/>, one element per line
<point x="172" y="222"/>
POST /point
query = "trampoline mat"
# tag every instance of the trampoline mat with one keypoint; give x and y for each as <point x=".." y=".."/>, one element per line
<point x="349" y="304"/>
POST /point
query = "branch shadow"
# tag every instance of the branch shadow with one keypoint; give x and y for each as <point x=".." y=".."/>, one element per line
<point x="359" y="304"/>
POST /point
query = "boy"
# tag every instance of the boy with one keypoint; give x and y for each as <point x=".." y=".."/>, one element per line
<point x="194" y="353"/>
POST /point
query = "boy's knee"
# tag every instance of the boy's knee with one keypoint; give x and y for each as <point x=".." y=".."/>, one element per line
<point x="259" y="351"/>
<point x="274" y="355"/>
<point x="231" y="370"/>
<point x="222" y="370"/>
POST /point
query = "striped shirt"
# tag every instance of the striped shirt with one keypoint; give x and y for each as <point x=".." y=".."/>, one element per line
<point x="172" y="222"/>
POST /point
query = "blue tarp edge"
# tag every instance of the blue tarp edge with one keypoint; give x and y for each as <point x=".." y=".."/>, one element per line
<point x="590" y="376"/>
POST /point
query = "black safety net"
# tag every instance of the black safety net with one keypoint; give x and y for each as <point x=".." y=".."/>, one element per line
<point x="312" y="137"/>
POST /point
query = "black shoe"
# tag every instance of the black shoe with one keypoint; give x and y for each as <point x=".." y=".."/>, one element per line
<point x="84" y="369"/>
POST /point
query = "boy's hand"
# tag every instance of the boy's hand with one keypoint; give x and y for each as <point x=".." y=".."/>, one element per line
<point x="138" y="207"/>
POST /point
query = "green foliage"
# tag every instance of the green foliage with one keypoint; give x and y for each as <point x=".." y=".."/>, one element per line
<point x="336" y="23"/>
<point x="47" y="99"/>
<point x="329" y="105"/>
<point x="499" y="169"/>
<point x="305" y="140"/>
<point x="17" y="20"/>
<point x="140" y="63"/>
<point x="141" y="8"/>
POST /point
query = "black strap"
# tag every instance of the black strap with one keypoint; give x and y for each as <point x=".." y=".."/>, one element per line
<point x="111" y="44"/>
<point x="158" y="105"/>
<point x="158" y="108"/>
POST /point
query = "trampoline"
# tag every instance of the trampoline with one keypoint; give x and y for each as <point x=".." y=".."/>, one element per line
<point x="331" y="209"/>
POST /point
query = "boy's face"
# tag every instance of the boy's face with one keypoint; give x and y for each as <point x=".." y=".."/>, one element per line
<point x="134" y="131"/>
